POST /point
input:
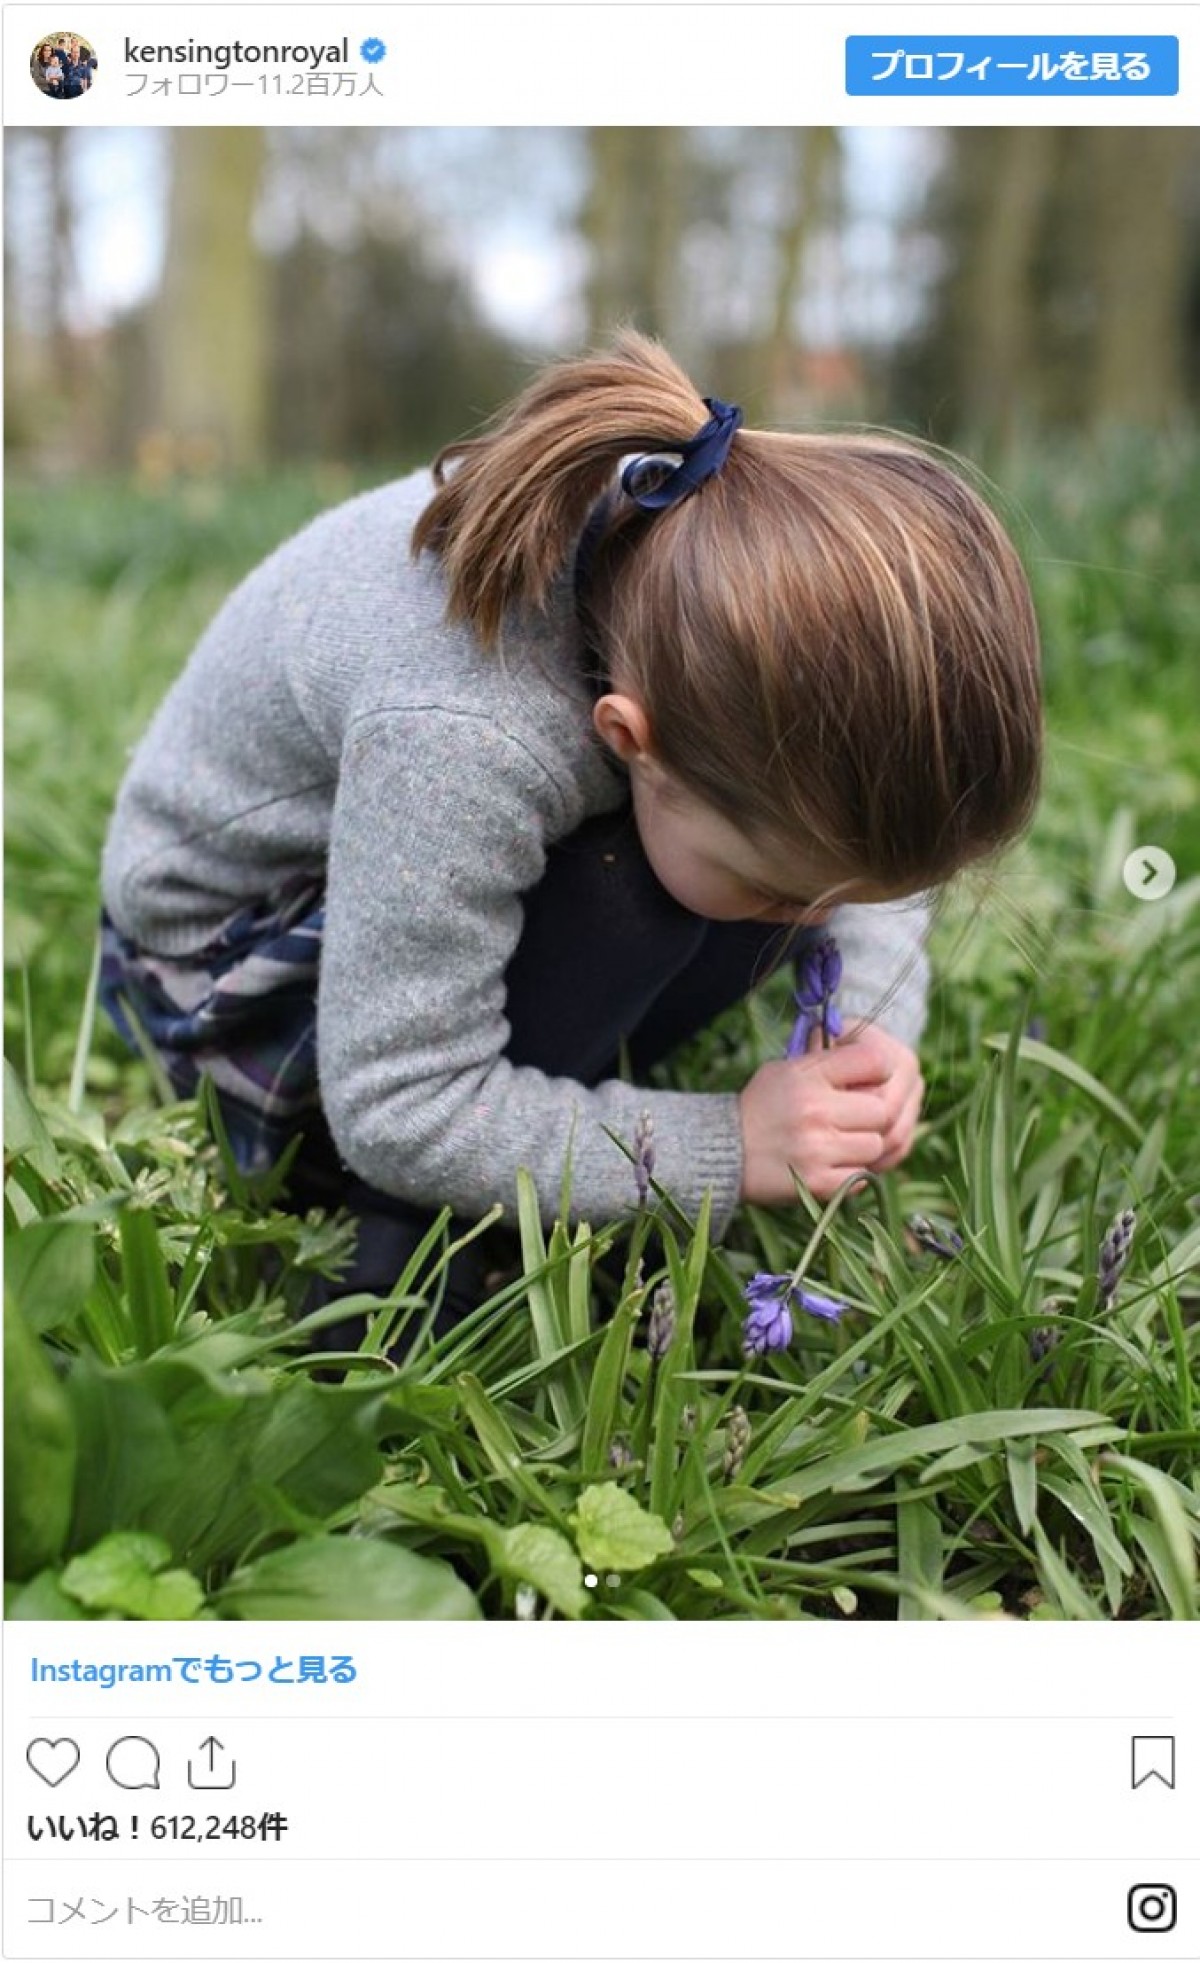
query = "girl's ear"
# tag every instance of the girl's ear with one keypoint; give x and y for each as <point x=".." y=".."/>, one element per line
<point x="622" y="723"/>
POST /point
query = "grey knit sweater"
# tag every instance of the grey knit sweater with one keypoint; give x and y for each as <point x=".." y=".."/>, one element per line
<point x="331" y="719"/>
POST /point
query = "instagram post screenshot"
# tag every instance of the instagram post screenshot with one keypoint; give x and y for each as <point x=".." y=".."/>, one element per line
<point x="602" y="981"/>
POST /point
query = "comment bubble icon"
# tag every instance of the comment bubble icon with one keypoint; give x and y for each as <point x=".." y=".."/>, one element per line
<point x="132" y="1762"/>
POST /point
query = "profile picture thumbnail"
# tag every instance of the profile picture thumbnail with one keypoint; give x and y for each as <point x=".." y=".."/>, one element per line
<point x="63" y="66"/>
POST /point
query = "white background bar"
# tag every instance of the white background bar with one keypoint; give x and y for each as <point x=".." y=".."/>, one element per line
<point x="504" y="65"/>
<point x="655" y="1790"/>
<point x="1073" y="1781"/>
<point x="542" y="1912"/>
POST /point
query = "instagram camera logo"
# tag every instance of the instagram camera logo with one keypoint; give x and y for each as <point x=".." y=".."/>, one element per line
<point x="1152" y="1908"/>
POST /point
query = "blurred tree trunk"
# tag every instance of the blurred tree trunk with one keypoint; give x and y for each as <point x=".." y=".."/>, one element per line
<point x="1013" y="175"/>
<point x="210" y="327"/>
<point x="61" y="263"/>
<point x="1139" y="228"/>
<point x="810" y="164"/>
<point x="44" y="395"/>
<point x="632" y="223"/>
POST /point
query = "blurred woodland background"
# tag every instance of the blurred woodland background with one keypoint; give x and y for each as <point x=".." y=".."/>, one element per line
<point x="201" y="301"/>
<point x="215" y="334"/>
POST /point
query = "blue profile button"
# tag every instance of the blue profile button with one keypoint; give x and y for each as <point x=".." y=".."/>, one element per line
<point x="1012" y="64"/>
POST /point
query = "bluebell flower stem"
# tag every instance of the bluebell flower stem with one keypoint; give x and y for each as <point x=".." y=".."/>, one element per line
<point x="822" y="1227"/>
<point x="645" y="1411"/>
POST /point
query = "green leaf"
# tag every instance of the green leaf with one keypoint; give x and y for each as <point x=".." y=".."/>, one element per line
<point x="1002" y="1167"/>
<point x="25" y="1133"/>
<point x="129" y="1574"/>
<point x="1021" y="1454"/>
<point x="639" y="1605"/>
<point x="534" y="1554"/>
<point x="1173" y="1549"/>
<point x="49" y="1267"/>
<point x="496" y="1436"/>
<point x="579" y="1285"/>
<point x="686" y="1279"/>
<point x="550" y="1335"/>
<point x="920" y="1557"/>
<point x="335" y="1579"/>
<point x="1145" y="1169"/>
<point x="148" y="1291"/>
<point x="615" y="1533"/>
<point x="41" y="1600"/>
<point x="608" y="1379"/>
<point x="1161" y="1564"/>
<point x="868" y="1463"/>
<point x="1080" y="1498"/>
<point x="209" y="1464"/>
<point x="1051" y="1059"/>
<point x="543" y="1558"/>
<point x="1059" y="1582"/>
<point x="1180" y="1261"/>
<point x="39" y="1452"/>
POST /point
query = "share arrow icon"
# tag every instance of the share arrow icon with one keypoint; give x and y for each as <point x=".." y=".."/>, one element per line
<point x="212" y="1773"/>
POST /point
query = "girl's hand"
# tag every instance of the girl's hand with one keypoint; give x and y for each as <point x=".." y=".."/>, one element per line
<point x="905" y="1090"/>
<point x="820" y="1117"/>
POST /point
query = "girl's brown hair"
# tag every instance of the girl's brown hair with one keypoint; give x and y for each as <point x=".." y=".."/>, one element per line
<point x="833" y="638"/>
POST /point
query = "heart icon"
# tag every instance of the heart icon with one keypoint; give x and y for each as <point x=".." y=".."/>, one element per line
<point x="53" y="1759"/>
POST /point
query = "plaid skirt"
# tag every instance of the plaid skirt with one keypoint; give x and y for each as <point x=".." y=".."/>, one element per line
<point x="242" y="1010"/>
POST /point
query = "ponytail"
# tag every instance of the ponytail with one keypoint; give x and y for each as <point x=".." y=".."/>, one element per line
<point x="505" y="521"/>
<point x="833" y="639"/>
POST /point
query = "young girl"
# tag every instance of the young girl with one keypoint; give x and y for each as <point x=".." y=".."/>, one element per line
<point x="498" y="778"/>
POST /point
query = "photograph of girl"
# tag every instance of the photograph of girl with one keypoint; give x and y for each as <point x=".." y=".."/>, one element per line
<point x="581" y="1005"/>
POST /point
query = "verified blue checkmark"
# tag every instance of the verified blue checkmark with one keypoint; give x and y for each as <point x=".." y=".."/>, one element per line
<point x="373" y="49"/>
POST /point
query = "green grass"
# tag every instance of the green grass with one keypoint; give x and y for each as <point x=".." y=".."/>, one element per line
<point x="176" y="1450"/>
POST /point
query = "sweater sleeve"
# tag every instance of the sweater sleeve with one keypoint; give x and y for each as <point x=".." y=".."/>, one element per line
<point x="885" y="965"/>
<point x="441" y="822"/>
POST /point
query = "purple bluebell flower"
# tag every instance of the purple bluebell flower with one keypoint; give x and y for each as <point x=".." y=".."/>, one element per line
<point x="1046" y="1338"/>
<point x="830" y="958"/>
<point x="1114" y="1253"/>
<point x="802" y="1029"/>
<point x="822" y="1306"/>
<point x="769" y="1323"/>
<point x="942" y="1241"/>
<point x="1042" y="1341"/>
<point x="773" y="1300"/>
<point x="643" y="1156"/>
<point x="820" y="979"/>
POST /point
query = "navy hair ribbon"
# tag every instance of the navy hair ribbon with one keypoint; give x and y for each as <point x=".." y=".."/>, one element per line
<point x="663" y="477"/>
<point x="655" y="481"/>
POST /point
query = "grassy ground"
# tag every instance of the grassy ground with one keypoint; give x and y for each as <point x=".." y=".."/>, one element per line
<point x="978" y="1435"/>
